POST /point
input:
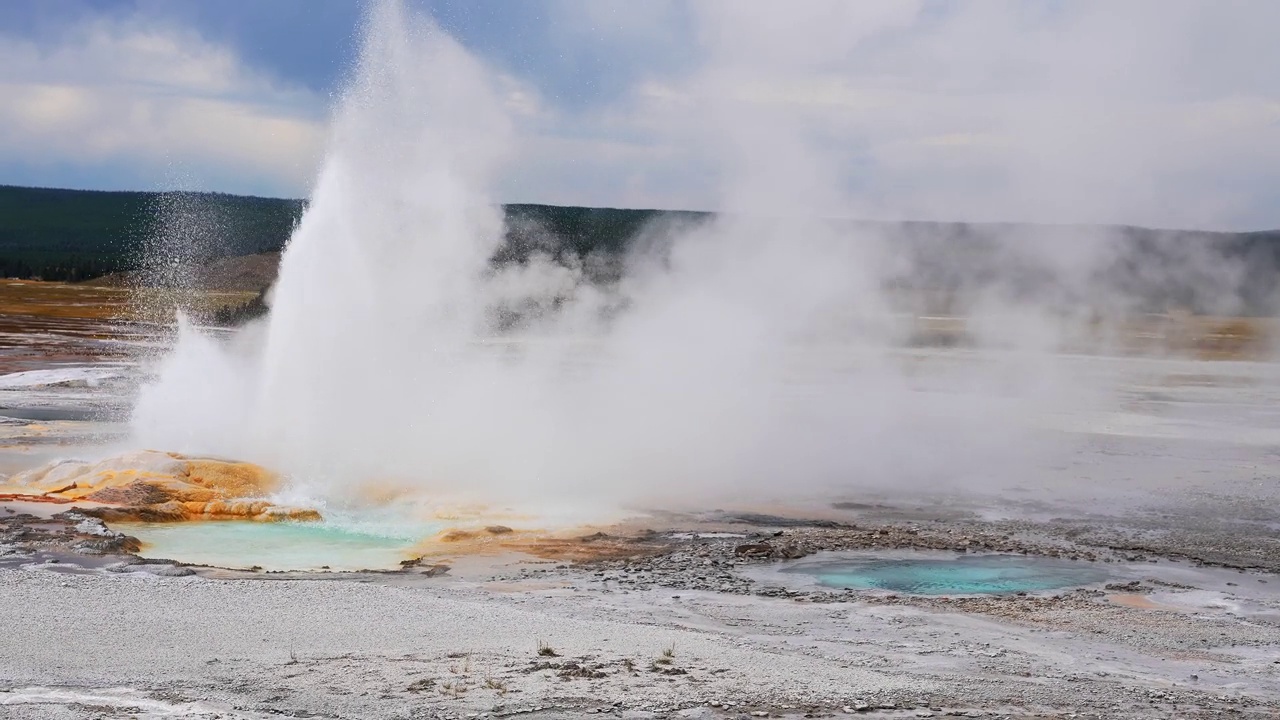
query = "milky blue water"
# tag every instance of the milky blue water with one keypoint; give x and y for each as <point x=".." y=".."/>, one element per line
<point x="961" y="575"/>
<point x="278" y="545"/>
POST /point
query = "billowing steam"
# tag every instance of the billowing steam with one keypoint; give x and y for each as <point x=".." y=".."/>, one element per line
<point x="764" y="353"/>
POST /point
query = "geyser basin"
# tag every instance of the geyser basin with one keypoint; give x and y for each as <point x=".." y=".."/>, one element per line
<point x="275" y="545"/>
<point x="958" y="575"/>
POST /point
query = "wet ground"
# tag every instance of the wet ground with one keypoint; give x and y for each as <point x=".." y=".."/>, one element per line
<point x="1169" y="497"/>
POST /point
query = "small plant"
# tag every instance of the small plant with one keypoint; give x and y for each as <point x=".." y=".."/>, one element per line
<point x="496" y="684"/>
<point x="629" y="664"/>
<point x="546" y="650"/>
<point x="668" y="655"/>
<point x="453" y="689"/>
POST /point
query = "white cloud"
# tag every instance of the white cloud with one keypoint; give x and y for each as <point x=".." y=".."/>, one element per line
<point x="159" y="97"/>
<point x="1163" y="112"/>
<point x="1145" y="112"/>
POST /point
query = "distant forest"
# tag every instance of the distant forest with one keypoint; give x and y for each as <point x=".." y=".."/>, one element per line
<point x="73" y="235"/>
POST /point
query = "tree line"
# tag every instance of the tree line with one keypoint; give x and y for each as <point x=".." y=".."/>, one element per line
<point x="75" y="235"/>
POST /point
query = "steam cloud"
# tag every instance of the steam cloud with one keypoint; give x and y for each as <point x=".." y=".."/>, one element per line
<point x="758" y="355"/>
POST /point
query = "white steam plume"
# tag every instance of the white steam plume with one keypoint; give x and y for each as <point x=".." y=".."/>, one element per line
<point x="758" y="355"/>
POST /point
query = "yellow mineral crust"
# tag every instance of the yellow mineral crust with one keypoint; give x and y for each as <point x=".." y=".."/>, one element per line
<point x="157" y="486"/>
<point x="575" y="544"/>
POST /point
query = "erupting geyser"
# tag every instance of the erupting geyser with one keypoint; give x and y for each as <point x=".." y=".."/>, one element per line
<point x="752" y="357"/>
<point x="380" y="290"/>
<point x="381" y="366"/>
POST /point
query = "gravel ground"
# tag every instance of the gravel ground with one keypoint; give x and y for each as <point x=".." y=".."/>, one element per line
<point x="705" y="628"/>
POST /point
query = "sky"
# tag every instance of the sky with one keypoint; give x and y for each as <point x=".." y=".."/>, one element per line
<point x="1150" y="112"/>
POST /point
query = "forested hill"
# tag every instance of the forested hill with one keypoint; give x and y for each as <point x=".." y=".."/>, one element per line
<point x="76" y="235"/>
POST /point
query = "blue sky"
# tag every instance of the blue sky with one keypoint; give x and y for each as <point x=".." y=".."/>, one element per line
<point x="1157" y="112"/>
<point x="313" y="42"/>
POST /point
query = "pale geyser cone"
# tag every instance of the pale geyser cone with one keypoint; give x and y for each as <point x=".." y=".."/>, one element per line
<point x="158" y="486"/>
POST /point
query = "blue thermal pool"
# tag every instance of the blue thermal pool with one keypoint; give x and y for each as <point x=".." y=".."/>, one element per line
<point x="959" y="575"/>
<point x="278" y="545"/>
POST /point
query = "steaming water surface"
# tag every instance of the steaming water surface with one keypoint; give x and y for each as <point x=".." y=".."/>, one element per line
<point x="964" y="575"/>
<point x="278" y="545"/>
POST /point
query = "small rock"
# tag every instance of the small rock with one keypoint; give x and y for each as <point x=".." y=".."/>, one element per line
<point x="762" y="549"/>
